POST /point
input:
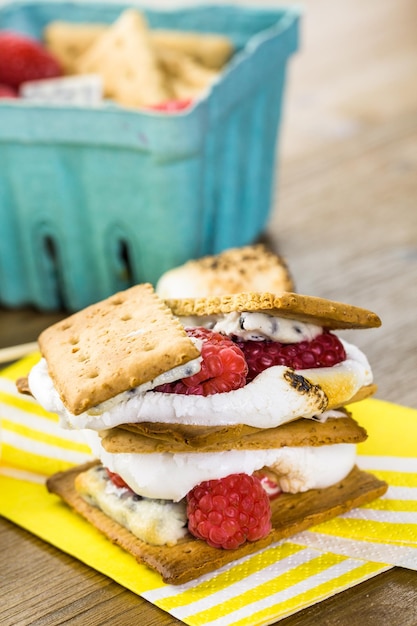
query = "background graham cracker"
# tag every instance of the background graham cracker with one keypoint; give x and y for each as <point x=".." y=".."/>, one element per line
<point x="236" y="270"/>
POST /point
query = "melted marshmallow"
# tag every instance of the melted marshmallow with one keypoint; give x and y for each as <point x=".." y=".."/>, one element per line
<point x="170" y="476"/>
<point x="247" y="325"/>
<point x="255" y="326"/>
<point x="266" y="402"/>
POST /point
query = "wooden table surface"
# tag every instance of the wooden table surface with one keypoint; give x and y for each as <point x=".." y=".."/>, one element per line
<point x="346" y="220"/>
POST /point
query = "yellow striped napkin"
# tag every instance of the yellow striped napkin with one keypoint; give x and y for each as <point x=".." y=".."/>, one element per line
<point x="31" y="438"/>
<point x="384" y="530"/>
<point x="272" y="584"/>
<point x="256" y="590"/>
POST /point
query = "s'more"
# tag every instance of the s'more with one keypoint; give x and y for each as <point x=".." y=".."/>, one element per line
<point x="218" y="423"/>
<point x="234" y="270"/>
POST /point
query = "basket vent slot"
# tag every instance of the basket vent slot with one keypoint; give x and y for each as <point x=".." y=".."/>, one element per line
<point x="52" y="269"/>
<point x="124" y="263"/>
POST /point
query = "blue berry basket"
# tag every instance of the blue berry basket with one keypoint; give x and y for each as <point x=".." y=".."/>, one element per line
<point x="94" y="200"/>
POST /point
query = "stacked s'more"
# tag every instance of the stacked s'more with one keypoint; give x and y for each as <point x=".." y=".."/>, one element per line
<point x="218" y="422"/>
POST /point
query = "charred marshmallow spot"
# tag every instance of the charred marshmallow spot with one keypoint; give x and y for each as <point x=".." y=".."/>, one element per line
<point x="299" y="383"/>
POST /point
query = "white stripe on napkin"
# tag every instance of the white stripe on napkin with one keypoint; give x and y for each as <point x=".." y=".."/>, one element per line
<point x="43" y="449"/>
<point x="284" y="595"/>
<point x="387" y="463"/>
<point x="387" y="517"/>
<point x="395" y="555"/>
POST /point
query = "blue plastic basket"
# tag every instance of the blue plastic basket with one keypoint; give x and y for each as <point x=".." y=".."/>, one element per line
<point x="94" y="200"/>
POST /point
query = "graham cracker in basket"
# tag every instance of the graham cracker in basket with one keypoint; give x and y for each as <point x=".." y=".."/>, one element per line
<point x="310" y="309"/>
<point x="180" y="439"/>
<point x="191" y="557"/>
<point x="211" y="50"/>
<point x="125" y="58"/>
<point x="181" y="66"/>
<point x="67" y="41"/>
<point x="112" y="346"/>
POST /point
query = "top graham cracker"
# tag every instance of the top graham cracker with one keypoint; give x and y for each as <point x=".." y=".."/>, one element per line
<point x="310" y="309"/>
<point x="112" y="346"/>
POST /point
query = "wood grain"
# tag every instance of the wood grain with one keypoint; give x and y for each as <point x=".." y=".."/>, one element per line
<point x="345" y="218"/>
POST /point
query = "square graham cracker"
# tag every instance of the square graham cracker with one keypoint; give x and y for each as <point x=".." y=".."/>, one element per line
<point x="112" y="346"/>
<point x="191" y="557"/>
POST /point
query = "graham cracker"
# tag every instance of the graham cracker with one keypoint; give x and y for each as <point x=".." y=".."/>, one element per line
<point x="125" y="58"/>
<point x="191" y="557"/>
<point x="302" y="308"/>
<point x="22" y="385"/>
<point x="364" y="392"/>
<point x="179" y="65"/>
<point x="236" y="270"/>
<point x="112" y="346"/>
<point x="211" y="50"/>
<point x="180" y="438"/>
<point x="67" y="41"/>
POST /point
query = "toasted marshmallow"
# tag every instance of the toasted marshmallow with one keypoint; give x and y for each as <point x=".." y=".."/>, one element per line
<point x="250" y="268"/>
<point x="276" y="396"/>
<point x="172" y="476"/>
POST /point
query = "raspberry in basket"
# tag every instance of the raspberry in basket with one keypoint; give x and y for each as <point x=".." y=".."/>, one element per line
<point x="7" y="92"/>
<point x="24" y="59"/>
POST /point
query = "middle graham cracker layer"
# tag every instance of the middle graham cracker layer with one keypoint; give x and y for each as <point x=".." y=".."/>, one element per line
<point x="148" y="438"/>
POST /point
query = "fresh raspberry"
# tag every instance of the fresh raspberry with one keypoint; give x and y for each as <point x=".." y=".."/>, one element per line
<point x="223" y="367"/>
<point x="7" y="92"/>
<point x="117" y="480"/>
<point x="325" y="350"/>
<point x="228" y="511"/>
<point x="23" y="59"/>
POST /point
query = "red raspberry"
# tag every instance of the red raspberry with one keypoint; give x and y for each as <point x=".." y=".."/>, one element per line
<point x="7" y="92"/>
<point x="223" y="367"/>
<point x="229" y="511"/>
<point x="23" y="59"/>
<point x="117" y="480"/>
<point x="323" y="351"/>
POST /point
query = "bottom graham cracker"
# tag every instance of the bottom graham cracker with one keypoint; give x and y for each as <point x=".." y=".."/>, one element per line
<point x="191" y="557"/>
